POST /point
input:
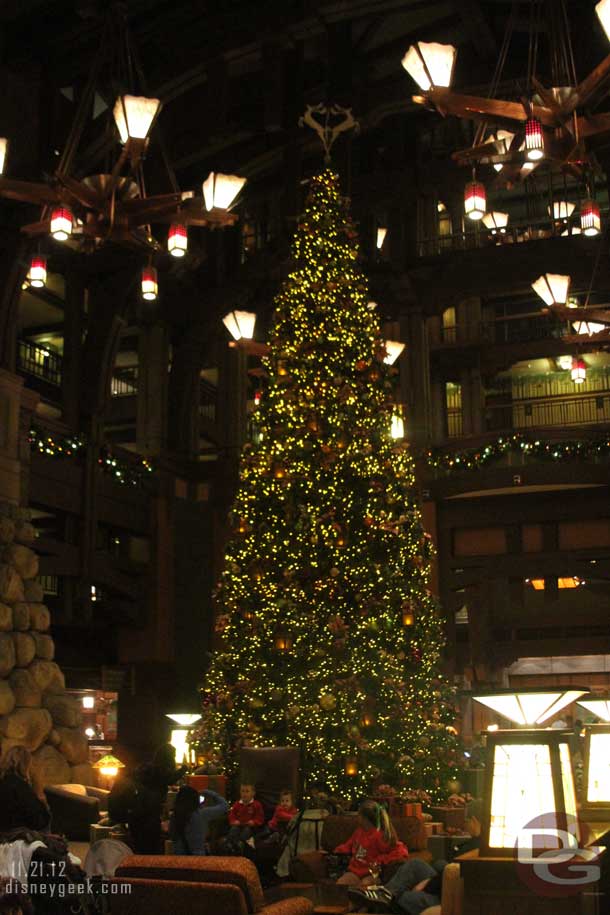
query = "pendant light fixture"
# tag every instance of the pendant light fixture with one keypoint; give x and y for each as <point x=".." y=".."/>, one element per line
<point x="590" y="218"/>
<point x="240" y="324"/>
<point x="603" y="13"/>
<point x="220" y="191"/>
<point x="430" y="64"/>
<point x="534" y="140"/>
<point x="578" y="371"/>
<point x="177" y="240"/>
<point x="475" y="200"/>
<point x="561" y="210"/>
<point x="134" y="116"/>
<point x="380" y="238"/>
<point x="37" y="274"/>
<point x="61" y="223"/>
<point x="496" y="222"/>
<point x="553" y="288"/>
<point x="150" y="284"/>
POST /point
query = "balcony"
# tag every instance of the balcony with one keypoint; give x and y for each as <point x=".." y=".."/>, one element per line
<point x="40" y="363"/>
<point x="124" y="382"/>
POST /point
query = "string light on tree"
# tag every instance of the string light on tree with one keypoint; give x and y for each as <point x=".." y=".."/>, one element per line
<point x="313" y="590"/>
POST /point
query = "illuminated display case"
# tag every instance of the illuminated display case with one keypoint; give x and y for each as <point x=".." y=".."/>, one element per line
<point x="529" y="780"/>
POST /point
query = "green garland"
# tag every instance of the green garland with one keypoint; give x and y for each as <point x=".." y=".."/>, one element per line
<point x="75" y="447"/>
<point x="452" y="461"/>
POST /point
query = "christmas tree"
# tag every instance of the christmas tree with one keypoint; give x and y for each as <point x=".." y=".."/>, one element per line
<point x="332" y="640"/>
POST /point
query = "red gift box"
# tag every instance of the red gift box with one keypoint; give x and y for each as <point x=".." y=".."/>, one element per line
<point x="412" y="810"/>
<point x="200" y="783"/>
<point x="450" y="817"/>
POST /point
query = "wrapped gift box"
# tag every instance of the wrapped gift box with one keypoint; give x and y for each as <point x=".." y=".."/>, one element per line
<point x="433" y="829"/>
<point x="200" y="783"/>
<point x="450" y="817"/>
<point x="412" y="810"/>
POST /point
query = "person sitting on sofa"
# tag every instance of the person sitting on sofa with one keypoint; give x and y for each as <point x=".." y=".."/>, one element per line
<point x="22" y="801"/>
<point x="190" y="820"/>
<point x="246" y="817"/>
<point x="373" y="842"/>
<point x="417" y="884"/>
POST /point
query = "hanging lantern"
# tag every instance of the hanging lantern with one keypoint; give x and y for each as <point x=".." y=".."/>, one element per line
<point x="368" y="719"/>
<point x="397" y="426"/>
<point x="430" y="64"/>
<point x="240" y="324"/>
<point x="381" y="234"/>
<point x="408" y="614"/>
<point x="552" y="288"/>
<point x="590" y="219"/>
<point x="177" y="240"/>
<point x="534" y="140"/>
<point x="603" y="13"/>
<point x="38" y="271"/>
<point x="351" y="765"/>
<point x="587" y="328"/>
<point x="578" y="371"/>
<point x="219" y="191"/>
<point x="61" y="223"/>
<point x="3" y="148"/>
<point x="496" y="222"/>
<point x="134" y="115"/>
<point x="503" y="140"/>
<point x="393" y="349"/>
<point x="561" y="210"/>
<point x="475" y="201"/>
<point x="150" y="285"/>
<point x="283" y="641"/>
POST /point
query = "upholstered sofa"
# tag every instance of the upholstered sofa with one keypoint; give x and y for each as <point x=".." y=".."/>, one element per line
<point x="74" y="807"/>
<point x="312" y="866"/>
<point x="238" y="879"/>
<point x="452" y="894"/>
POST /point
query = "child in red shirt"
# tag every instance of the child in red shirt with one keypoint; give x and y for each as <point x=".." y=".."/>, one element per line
<point x="283" y="813"/>
<point x="245" y="817"/>
<point x="373" y="842"/>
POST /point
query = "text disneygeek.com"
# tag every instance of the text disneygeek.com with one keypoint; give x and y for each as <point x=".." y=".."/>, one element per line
<point x="61" y="890"/>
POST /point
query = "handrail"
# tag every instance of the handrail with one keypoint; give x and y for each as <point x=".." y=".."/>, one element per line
<point x="40" y="362"/>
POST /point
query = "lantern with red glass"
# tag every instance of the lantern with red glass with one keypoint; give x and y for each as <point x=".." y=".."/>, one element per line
<point x="150" y="286"/>
<point x="61" y="223"/>
<point x="579" y="371"/>
<point x="590" y="219"/>
<point x="475" y="201"/>
<point x="37" y="275"/>
<point x="177" y="240"/>
<point x="534" y="139"/>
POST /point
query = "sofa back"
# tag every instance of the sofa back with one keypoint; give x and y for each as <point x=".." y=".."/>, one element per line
<point x="239" y="872"/>
<point x="453" y="890"/>
<point x="337" y="829"/>
<point x="139" y="896"/>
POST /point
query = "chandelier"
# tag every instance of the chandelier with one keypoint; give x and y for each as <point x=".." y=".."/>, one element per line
<point x="88" y="212"/>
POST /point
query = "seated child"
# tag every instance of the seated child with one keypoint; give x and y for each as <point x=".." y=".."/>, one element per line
<point x="373" y="842"/>
<point x="283" y="813"/>
<point x="246" y="816"/>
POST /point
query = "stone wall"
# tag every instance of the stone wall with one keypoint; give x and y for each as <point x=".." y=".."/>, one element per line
<point x="35" y="710"/>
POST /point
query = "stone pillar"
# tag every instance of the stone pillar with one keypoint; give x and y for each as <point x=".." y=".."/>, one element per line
<point x="153" y="358"/>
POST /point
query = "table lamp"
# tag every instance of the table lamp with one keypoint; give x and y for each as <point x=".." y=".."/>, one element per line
<point x="108" y="766"/>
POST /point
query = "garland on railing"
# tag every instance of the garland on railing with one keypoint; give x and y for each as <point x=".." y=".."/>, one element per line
<point x="453" y="461"/>
<point x="74" y="446"/>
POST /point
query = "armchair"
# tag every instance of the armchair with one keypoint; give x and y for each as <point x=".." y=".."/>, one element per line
<point x="74" y="807"/>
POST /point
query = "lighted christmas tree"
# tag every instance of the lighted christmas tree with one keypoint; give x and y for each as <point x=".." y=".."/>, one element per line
<point x="331" y="638"/>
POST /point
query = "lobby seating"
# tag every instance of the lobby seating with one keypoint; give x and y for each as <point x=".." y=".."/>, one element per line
<point x="452" y="895"/>
<point x="74" y="808"/>
<point x="312" y="866"/>
<point x="242" y="892"/>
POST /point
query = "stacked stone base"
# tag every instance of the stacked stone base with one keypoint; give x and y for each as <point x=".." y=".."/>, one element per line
<point x="35" y="710"/>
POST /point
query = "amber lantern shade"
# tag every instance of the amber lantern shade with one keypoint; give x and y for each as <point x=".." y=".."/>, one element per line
<point x="368" y="719"/>
<point x="134" y="116"/>
<point x="220" y="191"/>
<point x="177" y="240"/>
<point x="283" y="641"/>
<point x="3" y="148"/>
<point x="578" y="371"/>
<point x="61" y="223"/>
<point x="603" y="12"/>
<point x="534" y="140"/>
<point x="553" y="288"/>
<point x="351" y="765"/>
<point x="150" y="285"/>
<point x="408" y="616"/>
<point x="430" y="64"/>
<point x="38" y="271"/>
<point x="590" y="219"/>
<point x="475" y="200"/>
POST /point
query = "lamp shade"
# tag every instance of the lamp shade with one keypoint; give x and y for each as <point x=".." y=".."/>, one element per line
<point x="397" y="426"/>
<point x="578" y="371"/>
<point x="61" y="223"/>
<point x="561" y="209"/>
<point x="393" y="350"/>
<point x="37" y="274"/>
<point x="529" y="706"/>
<point x="503" y="140"/>
<point x="603" y="13"/>
<point x="150" y="283"/>
<point x="133" y="116"/>
<point x="599" y="707"/>
<point x="3" y="149"/>
<point x="553" y="288"/>
<point x="108" y="765"/>
<point x="219" y="191"/>
<point x="184" y="719"/>
<point x="590" y="218"/>
<point x="495" y="222"/>
<point x="586" y="328"/>
<point x="177" y="240"/>
<point x="534" y="139"/>
<point x="240" y="324"/>
<point x="475" y="201"/>
<point x="380" y="238"/>
<point x="430" y="64"/>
